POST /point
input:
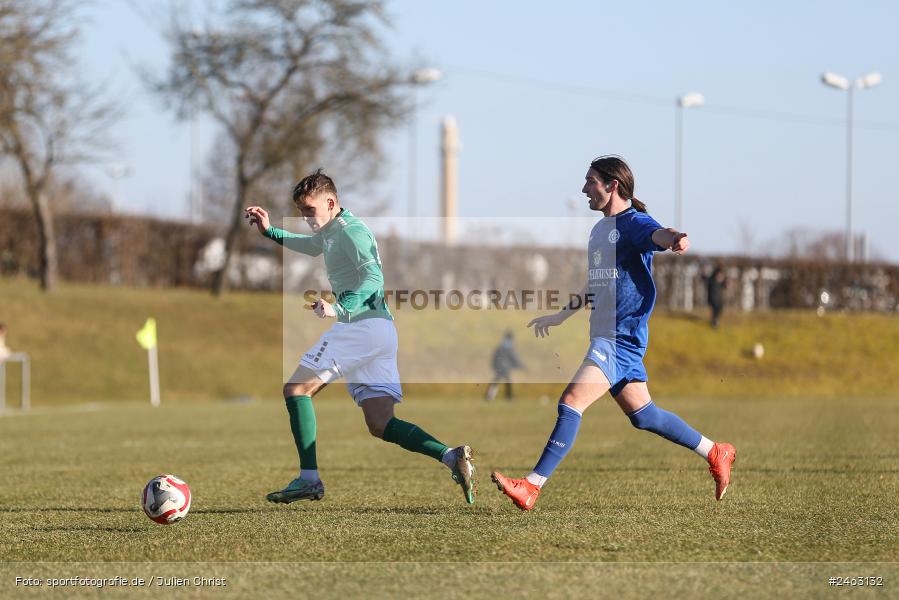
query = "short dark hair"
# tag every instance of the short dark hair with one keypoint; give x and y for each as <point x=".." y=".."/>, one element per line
<point x="314" y="184"/>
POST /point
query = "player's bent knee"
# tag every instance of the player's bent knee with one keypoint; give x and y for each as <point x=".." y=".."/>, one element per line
<point x="377" y="423"/>
<point x="303" y="382"/>
<point x="569" y="399"/>
<point x="376" y="429"/>
<point x="298" y="389"/>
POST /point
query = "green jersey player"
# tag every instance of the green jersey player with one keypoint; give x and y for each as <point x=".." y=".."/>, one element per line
<point x="361" y="345"/>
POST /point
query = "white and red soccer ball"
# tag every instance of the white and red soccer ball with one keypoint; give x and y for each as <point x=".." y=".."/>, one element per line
<point x="166" y="499"/>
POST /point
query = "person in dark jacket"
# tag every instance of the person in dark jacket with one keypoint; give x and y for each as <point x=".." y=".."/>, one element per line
<point x="504" y="360"/>
<point x="716" y="283"/>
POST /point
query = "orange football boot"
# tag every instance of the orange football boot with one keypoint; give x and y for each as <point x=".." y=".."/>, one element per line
<point x="721" y="457"/>
<point x="522" y="492"/>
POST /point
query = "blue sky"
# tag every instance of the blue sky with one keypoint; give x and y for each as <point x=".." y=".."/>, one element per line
<point x="527" y="83"/>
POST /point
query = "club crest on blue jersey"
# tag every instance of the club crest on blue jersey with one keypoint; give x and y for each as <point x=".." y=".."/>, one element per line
<point x="614" y="236"/>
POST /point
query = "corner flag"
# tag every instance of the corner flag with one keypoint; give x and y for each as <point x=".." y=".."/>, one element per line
<point x="146" y="337"/>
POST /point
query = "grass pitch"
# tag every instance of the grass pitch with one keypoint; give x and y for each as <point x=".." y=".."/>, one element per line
<point x="813" y="496"/>
<point x="81" y="341"/>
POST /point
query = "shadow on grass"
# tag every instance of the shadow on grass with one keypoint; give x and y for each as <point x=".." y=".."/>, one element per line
<point x="388" y="510"/>
<point x="89" y="528"/>
<point x="88" y="509"/>
<point x="838" y="470"/>
<point x="79" y="509"/>
<point x="227" y="511"/>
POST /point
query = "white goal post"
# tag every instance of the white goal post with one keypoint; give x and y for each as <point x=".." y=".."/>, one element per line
<point x="25" y="362"/>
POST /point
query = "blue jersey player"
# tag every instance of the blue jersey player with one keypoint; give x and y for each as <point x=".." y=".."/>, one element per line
<point x="620" y="294"/>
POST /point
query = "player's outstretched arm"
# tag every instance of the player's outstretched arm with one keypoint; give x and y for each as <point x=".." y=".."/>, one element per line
<point x="542" y="324"/>
<point x="672" y="239"/>
<point x="304" y="244"/>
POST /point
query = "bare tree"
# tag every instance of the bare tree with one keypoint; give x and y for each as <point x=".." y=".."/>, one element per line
<point x="746" y="236"/>
<point x="290" y="82"/>
<point x="71" y="193"/>
<point x="47" y="117"/>
<point x="356" y="173"/>
<point x="808" y="244"/>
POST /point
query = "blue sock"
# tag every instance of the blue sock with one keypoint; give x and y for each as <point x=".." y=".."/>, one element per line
<point x="560" y="441"/>
<point x="666" y="424"/>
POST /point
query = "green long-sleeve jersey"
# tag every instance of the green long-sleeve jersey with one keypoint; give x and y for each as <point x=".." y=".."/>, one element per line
<point x="352" y="262"/>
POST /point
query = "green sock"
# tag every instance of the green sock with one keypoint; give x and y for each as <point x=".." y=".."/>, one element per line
<point x="413" y="438"/>
<point x="302" y="424"/>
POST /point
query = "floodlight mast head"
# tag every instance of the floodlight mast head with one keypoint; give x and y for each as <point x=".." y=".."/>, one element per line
<point x="835" y="81"/>
<point x="427" y="75"/>
<point x="691" y="100"/>
<point x="868" y="81"/>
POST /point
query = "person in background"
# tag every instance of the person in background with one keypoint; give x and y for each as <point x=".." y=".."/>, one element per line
<point x="504" y="360"/>
<point x="716" y="283"/>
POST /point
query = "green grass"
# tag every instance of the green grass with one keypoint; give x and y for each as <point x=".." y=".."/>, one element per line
<point x="83" y="349"/>
<point x="81" y="340"/>
<point x="629" y="514"/>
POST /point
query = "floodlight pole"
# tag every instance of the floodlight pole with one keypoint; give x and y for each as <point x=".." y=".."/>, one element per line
<point x="691" y="100"/>
<point x="850" y="250"/>
<point x="193" y="200"/>
<point x="413" y="157"/>
<point x="678" y="167"/>
<point x="842" y="83"/>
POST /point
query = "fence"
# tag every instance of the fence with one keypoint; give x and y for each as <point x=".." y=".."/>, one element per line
<point x="149" y="252"/>
<point x="109" y="249"/>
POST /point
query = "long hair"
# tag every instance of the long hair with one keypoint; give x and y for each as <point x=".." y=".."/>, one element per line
<point x="611" y="167"/>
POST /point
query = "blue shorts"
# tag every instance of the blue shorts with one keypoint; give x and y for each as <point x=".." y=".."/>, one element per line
<point x="621" y="363"/>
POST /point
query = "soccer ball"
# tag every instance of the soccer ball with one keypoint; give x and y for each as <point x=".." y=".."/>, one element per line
<point x="166" y="499"/>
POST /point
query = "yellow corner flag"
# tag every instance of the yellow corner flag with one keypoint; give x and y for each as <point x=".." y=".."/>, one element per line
<point x="146" y="337"/>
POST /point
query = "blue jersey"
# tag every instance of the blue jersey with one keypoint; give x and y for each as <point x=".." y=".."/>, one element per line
<point x="619" y="277"/>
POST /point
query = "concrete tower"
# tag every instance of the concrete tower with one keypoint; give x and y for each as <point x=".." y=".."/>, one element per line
<point x="450" y="187"/>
